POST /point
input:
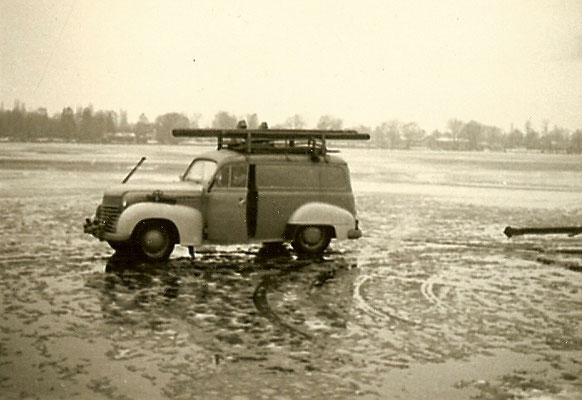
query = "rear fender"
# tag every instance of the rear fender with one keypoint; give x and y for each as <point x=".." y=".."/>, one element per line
<point x="321" y="214"/>
<point x="188" y="221"/>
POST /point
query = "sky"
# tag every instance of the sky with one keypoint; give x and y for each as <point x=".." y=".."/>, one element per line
<point x="499" y="62"/>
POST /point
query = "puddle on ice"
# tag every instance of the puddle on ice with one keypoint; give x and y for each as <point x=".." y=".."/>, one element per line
<point x="499" y="375"/>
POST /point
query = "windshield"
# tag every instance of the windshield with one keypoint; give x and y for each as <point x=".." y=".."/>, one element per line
<point x="200" y="171"/>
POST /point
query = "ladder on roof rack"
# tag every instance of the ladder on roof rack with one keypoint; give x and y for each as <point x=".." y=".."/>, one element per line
<point x="266" y="139"/>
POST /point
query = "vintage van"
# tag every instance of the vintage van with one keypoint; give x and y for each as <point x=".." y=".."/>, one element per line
<point x="258" y="186"/>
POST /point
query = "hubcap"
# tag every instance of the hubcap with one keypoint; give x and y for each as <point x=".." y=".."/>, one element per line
<point x="154" y="240"/>
<point x="312" y="235"/>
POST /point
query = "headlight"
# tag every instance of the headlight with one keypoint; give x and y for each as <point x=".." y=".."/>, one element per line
<point x="123" y="203"/>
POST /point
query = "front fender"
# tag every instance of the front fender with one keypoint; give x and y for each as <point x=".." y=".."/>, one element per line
<point x="323" y="214"/>
<point x="187" y="220"/>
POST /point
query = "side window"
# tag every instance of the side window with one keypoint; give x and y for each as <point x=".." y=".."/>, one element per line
<point x="234" y="176"/>
<point x="287" y="176"/>
<point x="221" y="179"/>
<point x="238" y="176"/>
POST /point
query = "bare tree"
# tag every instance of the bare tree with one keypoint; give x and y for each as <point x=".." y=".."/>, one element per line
<point x="295" y="122"/>
<point x="387" y="135"/>
<point x="68" y="124"/>
<point x="165" y="123"/>
<point x="224" y="120"/>
<point x="143" y="128"/>
<point x="412" y="133"/>
<point x="532" y="138"/>
<point x="515" y="139"/>
<point x="328" y="122"/>
<point x="473" y="133"/>
<point x="252" y="121"/>
<point x="195" y="120"/>
<point x="575" y="145"/>
<point x="455" y="126"/>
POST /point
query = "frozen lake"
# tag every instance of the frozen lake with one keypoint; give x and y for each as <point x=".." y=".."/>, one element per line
<point x="433" y="301"/>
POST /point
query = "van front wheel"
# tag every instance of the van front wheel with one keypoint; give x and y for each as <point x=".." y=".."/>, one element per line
<point x="311" y="239"/>
<point x="154" y="240"/>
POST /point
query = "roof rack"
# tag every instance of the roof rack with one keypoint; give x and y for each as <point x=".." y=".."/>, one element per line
<point x="303" y="141"/>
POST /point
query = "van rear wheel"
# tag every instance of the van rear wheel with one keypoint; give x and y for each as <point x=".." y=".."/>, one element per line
<point x="120" y="247"/>
<point x="154" y="240"/>
<point x="311" y="239"/>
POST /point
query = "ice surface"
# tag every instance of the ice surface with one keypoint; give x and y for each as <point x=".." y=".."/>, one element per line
<point x="433" y="301"/>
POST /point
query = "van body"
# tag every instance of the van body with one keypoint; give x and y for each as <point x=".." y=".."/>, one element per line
<point x="227" y="196"/>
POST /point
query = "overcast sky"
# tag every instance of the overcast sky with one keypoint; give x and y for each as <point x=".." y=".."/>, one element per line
<point x="494" y="61"/>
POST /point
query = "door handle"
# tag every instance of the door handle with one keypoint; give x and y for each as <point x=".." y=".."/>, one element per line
<point x="241" y="201"/>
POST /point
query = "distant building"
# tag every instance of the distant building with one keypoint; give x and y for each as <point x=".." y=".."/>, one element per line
<point x="448" y="143"/>
<point x="120" y="137"/>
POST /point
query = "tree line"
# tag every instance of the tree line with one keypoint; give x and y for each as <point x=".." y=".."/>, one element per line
<point x="84" y="124"/>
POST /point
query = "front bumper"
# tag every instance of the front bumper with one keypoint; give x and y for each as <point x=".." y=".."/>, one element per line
<point x="94" y="227"/>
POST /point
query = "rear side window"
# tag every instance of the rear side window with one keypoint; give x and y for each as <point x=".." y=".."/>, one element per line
<point x="287" y="176"/>
<point x="316" y="176"/>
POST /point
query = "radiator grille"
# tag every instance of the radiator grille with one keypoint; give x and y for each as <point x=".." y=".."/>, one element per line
<point x="109" y="215"/>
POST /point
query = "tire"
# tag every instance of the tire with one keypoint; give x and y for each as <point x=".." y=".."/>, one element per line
<point x="311" y="240"/>
<point x="154" y="240"/>
<point x="119" y="246"/>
